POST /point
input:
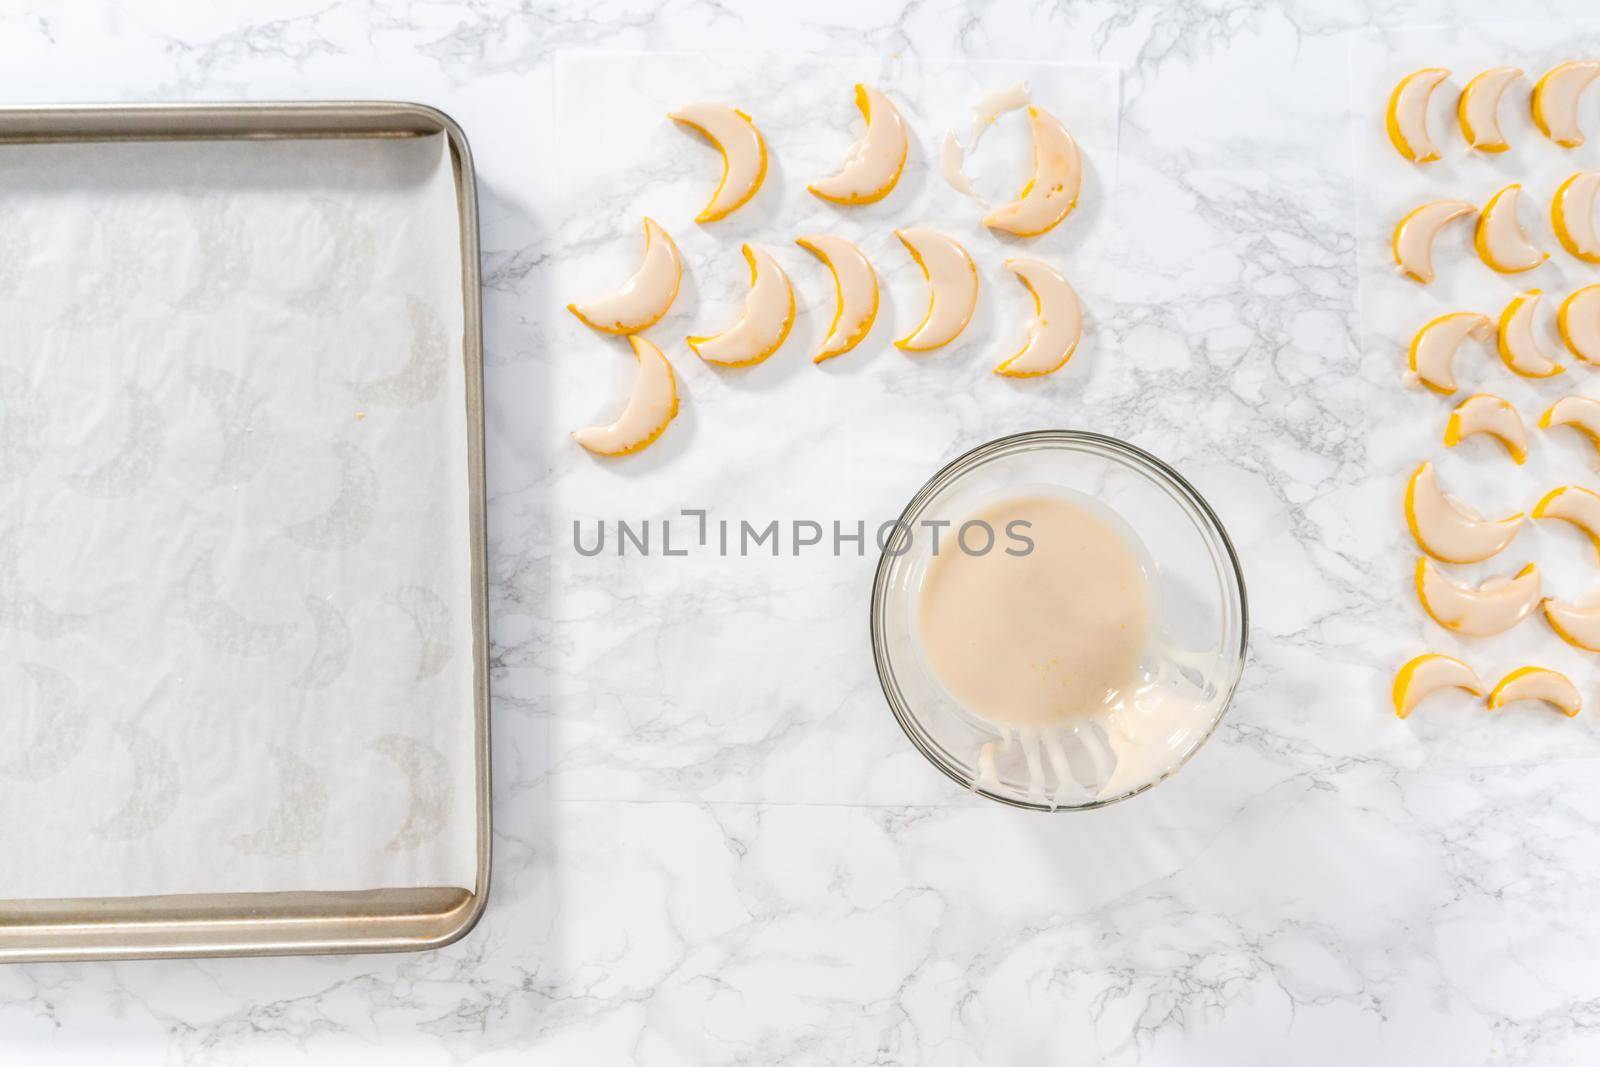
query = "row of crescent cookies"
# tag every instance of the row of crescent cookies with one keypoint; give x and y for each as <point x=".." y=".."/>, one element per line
<point x="869" y="174"/>
<point x="1444" y="528"/>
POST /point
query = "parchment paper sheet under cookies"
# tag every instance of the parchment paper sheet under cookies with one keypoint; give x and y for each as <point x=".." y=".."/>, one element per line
<point x="1401" y="427"/>
<point x="235" y="638"/>
<point x="748" y="679"/>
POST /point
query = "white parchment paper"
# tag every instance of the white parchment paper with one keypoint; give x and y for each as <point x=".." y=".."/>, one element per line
<point x="786" y="708"/>
<point x="235" y="644"/>
<point x="1404" y="426"/>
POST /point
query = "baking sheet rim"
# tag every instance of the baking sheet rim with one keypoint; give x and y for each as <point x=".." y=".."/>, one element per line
<point x="285" y="923"/>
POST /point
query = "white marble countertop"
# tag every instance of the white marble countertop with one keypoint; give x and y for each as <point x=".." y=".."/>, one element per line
<point x="1322" y="884"/>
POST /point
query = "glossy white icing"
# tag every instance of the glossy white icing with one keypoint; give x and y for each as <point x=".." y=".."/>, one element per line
<point x="764" y="321"/>
<point x="1572" y="215"/>
<point x="1517" y="340"/>
<point x="1057" y="324"/>
<point x="1050" y="195"/>
<point x="1446" y="528"/>
<point x="992" y="105"/>
<point x="855" y="292"/>
<point x="1537" y="683"/>
<point x="1555" y="100"/>
<point x="744" y="154"/>
<point x="1433" y="349"/>
<point x="1414" y="236"/>
<point x="1493" y="607"/>
<point x="1501" y="240"/>
<point x="1483" y="413"/>
<point x="1582" y="413"/>
<point x="952" y="160"/>
<point x="1426" y="675"/>
<point x="1408" y="114"/>
<point x="1479" y="108"/>
<point x="874" y="162"/>
<point x="1577" y="622"/>
<point x="1579" y="319"/>
<point x="652" y="404"/>
<point x="1573" y="504"/>
<point x="952" y="288"/>
<point x="648" y="293"/>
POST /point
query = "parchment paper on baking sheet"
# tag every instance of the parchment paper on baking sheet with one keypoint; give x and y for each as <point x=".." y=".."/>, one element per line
<point x="235" y="636"/>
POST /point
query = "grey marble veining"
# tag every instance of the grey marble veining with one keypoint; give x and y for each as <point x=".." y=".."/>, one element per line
<point x="1322" y="885"/>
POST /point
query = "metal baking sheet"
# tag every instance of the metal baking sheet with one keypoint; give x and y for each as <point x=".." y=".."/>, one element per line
<point x="269" y="923"/>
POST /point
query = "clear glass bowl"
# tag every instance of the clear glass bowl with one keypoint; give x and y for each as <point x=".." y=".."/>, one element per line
<point x="1197" y="603"/>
